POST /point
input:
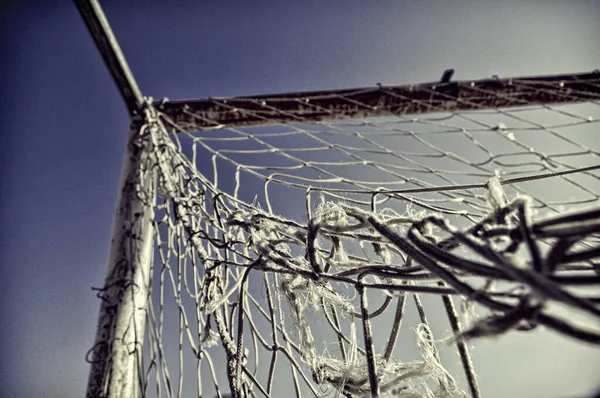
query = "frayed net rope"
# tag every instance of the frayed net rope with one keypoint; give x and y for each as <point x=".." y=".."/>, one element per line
<point x="320" y="266"/>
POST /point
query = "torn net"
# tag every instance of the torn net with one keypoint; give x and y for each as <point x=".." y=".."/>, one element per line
<point x="300" y="257"/>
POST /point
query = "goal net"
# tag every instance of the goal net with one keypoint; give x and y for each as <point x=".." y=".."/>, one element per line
<point x="334" y="243"/>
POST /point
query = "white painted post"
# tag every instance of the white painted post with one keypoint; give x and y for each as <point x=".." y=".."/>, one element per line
<point x="117" y="352"/>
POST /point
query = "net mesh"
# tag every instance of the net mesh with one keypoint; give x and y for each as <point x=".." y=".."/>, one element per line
<point x="296" y="256"/>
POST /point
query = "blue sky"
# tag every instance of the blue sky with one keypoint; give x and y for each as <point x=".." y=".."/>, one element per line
<point x="63" y="127"/>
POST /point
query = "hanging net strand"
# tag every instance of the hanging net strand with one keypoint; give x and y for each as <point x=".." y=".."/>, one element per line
<point x="309" y="243"/>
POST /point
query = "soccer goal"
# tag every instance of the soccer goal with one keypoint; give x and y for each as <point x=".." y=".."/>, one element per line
<point x="331" y="243"/>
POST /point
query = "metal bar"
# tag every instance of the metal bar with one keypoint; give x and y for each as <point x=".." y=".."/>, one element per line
<point x="113" y="57"/>
<point x="116" y="355"/>
<point x="198" y="114"/>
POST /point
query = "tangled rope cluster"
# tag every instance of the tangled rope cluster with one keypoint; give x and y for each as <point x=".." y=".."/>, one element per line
<point x="516" y="280"/>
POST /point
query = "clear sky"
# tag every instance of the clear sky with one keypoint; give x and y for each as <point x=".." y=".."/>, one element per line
<point x="63" y="127"/>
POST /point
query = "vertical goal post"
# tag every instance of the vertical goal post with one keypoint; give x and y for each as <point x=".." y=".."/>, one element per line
<point x="389" y="212"/>
<point x="115" y="356"/>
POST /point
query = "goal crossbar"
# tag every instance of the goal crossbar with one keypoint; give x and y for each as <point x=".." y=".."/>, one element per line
<point x="383" y="100"/>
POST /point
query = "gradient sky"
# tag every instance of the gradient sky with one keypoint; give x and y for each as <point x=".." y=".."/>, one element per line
<point x="63" y="128"/>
